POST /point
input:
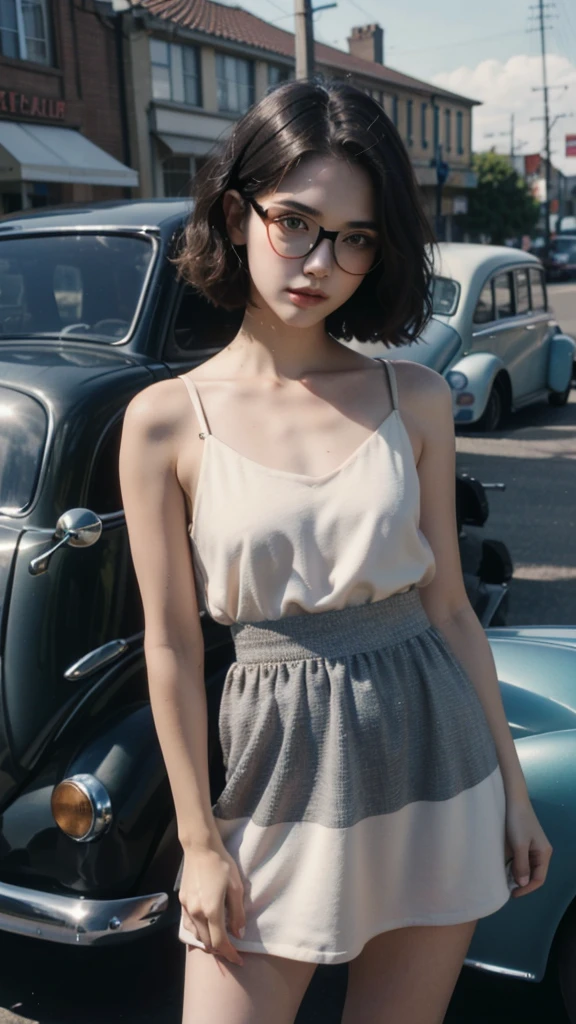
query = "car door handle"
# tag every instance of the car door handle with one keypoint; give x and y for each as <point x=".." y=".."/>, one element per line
<point x="102" y="656"/>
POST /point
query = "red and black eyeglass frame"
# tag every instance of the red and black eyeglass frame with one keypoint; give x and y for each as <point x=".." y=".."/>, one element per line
<point x="322" y="233"/>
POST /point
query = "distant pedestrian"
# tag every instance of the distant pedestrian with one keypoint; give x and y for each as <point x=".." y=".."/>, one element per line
<point x="303" y="494"/>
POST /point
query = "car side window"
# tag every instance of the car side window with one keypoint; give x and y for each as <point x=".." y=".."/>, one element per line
<point x="484" y="311"/>
<point x="537" y="290"/>
<point x="503" y="296"/>
<point x="522" y="291"/>
<point x="198" y="326"/>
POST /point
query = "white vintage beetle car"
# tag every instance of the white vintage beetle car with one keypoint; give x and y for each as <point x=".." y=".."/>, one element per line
<point x="513" y="352"/>
<point x="492" y="335"/>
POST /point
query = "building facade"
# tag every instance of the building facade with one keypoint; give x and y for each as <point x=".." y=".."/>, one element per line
<point x="63" y="136"/>
<point x="193" y="68"/>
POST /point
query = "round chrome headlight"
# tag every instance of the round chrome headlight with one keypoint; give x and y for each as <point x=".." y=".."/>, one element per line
<point x="81" y="807"/>
<point x="458" y="381"/>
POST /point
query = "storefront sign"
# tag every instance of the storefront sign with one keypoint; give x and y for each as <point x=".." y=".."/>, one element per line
<point x="571" y="145"/>
<point x="22" y="104"/>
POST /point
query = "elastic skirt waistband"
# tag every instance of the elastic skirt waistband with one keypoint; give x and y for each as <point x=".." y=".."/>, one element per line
<point x="332" y="634"/>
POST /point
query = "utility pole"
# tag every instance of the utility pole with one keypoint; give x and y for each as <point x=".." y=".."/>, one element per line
<point x="304" y="39"/>
<point x="514" y="145"/>
<point x="546" y="122"/>
<point x="545" y="88"/>
<point x="304" y="33"/>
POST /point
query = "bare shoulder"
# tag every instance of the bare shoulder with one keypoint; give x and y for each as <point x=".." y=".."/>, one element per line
<point x="421" y="390"/>
<point x="157" y="413"/>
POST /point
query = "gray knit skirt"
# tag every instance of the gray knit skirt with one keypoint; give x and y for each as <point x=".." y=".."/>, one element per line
<point x="363" y="791"/>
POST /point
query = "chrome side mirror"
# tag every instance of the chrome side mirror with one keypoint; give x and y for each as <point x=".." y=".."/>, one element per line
<point x="78" y="527"/>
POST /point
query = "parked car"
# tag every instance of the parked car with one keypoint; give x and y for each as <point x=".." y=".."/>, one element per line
<point x="560" y="258"/>
<point x="492" y="335"/>
<point x="513" y="352"/>
<point x="89" y="852"/>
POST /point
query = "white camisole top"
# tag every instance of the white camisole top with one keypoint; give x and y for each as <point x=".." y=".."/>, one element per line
<point x="267" y="542"/>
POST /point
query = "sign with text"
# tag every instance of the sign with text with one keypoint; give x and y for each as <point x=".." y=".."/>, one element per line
<point x="29" y="105"/>
<point x="571" y="145"/>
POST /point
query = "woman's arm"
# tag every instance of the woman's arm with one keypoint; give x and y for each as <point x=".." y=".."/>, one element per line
<point x="428" y="397"/>
<point x="156" y="518"/>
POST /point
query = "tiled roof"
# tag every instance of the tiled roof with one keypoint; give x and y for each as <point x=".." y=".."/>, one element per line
<point x="239" y="26"/>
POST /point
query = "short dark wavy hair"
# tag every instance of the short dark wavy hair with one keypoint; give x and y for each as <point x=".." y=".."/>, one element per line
<point x="295" y="120"/>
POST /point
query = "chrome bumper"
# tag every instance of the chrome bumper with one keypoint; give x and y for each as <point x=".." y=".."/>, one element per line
<point x="74" y="919"/>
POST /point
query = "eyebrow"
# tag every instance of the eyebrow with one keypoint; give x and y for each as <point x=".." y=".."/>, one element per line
<point x="301" y="208"/>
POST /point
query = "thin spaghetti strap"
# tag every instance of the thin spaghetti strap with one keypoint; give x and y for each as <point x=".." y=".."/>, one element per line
<point x="391" y="380"/>
<point x="198" y="409"/>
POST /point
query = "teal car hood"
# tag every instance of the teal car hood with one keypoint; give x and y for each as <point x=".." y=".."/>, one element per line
<point x="536" y="666"/>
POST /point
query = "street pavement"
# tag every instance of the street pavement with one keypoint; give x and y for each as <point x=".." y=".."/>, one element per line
<point x="535" y="456"/>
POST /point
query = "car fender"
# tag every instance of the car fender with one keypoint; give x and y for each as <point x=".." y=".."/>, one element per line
<point x="561" y="356"/>
<point x="517" y="938"/>
<point x="481" y="370"/>
<point x="123" y="753"/>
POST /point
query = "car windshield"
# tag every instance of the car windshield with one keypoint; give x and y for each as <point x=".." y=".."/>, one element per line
<point x="78" y="286"/>
<point x="564" y="244"/>
<point x="445" y="296"/>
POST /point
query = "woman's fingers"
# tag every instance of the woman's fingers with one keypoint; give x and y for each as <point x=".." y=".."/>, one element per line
<point x="220" y="942"/>
<point x="197" y="926"/>
<point x="203" y="931"/>
<point x="235" y="906"/>
<point x="530" y="868"/>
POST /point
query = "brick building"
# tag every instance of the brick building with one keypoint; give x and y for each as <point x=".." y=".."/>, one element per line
<point x="63" y="125"/>
<point x="193" y="66"/>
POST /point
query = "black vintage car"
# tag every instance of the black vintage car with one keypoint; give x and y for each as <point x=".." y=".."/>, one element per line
<point x="91" y="312"/>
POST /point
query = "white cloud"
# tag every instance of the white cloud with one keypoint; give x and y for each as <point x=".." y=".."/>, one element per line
<point x="505" y="88"/>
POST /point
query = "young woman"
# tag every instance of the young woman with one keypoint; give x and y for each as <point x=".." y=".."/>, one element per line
<point x="304" y="494"/>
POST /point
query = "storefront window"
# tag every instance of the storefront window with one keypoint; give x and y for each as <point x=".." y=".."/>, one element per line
<point x="235" y="80"/>
<point x="178" y="172"/>
<point x="175" y="72"/>
<point x="24" y="30"/>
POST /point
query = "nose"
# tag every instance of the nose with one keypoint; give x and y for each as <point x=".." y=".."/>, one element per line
<point x="321" y="261"/>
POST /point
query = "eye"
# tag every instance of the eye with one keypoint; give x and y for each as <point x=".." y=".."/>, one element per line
<point x="358" y="241"/>
<point x="290" y="222"/>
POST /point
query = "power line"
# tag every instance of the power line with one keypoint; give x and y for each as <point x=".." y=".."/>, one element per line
<point x="279" y="8"/>
<point x="363" y="10"/>
<point x="464" y="42"/>
<point x="567" y="16"/>
<point x="568" y="24"/>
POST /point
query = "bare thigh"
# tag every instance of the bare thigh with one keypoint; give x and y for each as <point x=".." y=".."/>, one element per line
<point x="406" y="976"/>
<point x="265" y="989"/>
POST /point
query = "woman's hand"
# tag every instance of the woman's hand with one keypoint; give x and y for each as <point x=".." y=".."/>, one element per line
<point x="210" y="885"/>
<point x="527" y="844"/>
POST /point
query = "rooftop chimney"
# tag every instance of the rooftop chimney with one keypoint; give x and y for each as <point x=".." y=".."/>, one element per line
<point x="367" y="42"/>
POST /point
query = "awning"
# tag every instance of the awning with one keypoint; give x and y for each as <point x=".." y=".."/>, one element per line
<point x="186" y="145"/>
<point x="40" y="152"/>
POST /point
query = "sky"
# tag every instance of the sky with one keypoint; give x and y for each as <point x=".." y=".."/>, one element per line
<point x="489" y="51"/>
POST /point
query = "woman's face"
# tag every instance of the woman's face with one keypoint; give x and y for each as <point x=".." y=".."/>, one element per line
<point x="326" y="191"/>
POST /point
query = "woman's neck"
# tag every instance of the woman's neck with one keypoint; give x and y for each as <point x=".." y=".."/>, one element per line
<point x="266" y="346"/>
